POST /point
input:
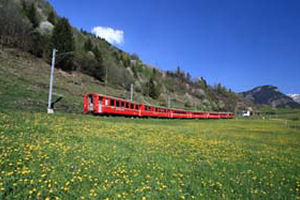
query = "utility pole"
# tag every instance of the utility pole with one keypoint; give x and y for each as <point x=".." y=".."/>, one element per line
<point x="169" y="102"/>
<point x="131" y="92"/>
<point x="49" y="109"/>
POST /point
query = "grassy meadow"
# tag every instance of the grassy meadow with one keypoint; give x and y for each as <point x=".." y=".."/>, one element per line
<point x="72" y="156"/>
<point x="68" y="156"/>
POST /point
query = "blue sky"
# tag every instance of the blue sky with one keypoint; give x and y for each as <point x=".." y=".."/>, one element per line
<point x="240" y="43"/>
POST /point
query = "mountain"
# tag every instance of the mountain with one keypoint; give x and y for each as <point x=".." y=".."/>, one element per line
<point x="295" y="97"/>
<point x="270" y="95"/>
<point x="33" y="26"/>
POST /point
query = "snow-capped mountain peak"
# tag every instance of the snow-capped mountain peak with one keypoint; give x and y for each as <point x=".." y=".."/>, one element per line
<point x="295" y="97"/>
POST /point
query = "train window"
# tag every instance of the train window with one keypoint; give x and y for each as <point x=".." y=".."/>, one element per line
<point x="127" y="105"/>
<point x="136" y="107"/>
<point x="122" y="104"/>
<point x="132" y="106"/>
<point x="112" y="102"/>
<point x="117" y="103"/>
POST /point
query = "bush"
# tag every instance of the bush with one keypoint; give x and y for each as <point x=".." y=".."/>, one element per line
<point x="89" y="65"/>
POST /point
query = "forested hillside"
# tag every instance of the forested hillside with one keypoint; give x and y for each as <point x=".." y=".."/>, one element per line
<point x="34" y="26"/>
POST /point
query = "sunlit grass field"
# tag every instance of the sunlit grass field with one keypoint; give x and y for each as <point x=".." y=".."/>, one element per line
<point x="65" y="156"/>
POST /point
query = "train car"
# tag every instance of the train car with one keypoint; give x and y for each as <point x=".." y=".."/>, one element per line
<point x="105" y="105"/>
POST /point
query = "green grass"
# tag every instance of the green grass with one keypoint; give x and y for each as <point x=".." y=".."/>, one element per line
<point x="24" y="85"/>
<point x="283" y="113"/>
<point x="73" y="156"/>
<point x="69" y="156"/>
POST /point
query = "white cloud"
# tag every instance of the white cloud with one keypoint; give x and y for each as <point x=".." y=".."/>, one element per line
<point x="111" y="35"/>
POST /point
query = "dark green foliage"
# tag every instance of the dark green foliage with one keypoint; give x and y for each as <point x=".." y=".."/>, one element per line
<point x="188" y="77"/>
<point x="220" y="89"/>
<point x="88" y="45"/>
<point x="51" y="17"/>
<point x="99" y="71"/>
<point x="154" y="89"/>
<point x="38" y="44"/>
<point x="98" y="55"/>
<point x="84" y="32"/>
<point x="32" y="15"/>
<point x="90" y="65"/>
<point x="63" y="41"/>
<point x="14" y="31"/>
<point x="98" y="58"/>
<point x="134" y="57"/>
<point x="125" y="59"/>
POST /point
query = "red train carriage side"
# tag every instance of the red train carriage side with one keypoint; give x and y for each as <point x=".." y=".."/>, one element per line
<point x="101" y="104"/>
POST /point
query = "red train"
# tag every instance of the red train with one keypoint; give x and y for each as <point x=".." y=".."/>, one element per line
<point x="105" y="105"/>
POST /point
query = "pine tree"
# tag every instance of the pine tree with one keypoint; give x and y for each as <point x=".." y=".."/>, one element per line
<point x="32" y="15"/>
<point x="154" y="90"/>
<point x="188" y="77"/>
<point x="63" y="41"/>
<point x="88" y="45"/>
<point x="51" y="17"/>
<point x="98" y="55"/>
<point x="99" y="68"/>
<point x="38" y="44"/>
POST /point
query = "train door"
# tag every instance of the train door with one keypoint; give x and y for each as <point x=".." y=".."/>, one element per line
<point x="90" y="103"/>
<point x="100" y="104"/>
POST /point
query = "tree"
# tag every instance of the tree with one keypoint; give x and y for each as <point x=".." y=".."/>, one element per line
<point x="220" y="89"/>
<point x="38" y="44"/>
<point x="134" y="57"/>
<point x="98" y="55"/>
<point x="88" y="45"/>
<point x="99" y="67"/>
<point x="14" y="31"/>
<point x="32" y="15"/>
<point x="63" y="41"/>
<point x="51" y="17"/>
<point x="125" y="59"/>
<point x="188" y="77"/>
<point x="154" y="89"/>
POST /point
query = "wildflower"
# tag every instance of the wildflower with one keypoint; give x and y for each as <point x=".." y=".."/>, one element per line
<point x="10" y="173"/>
